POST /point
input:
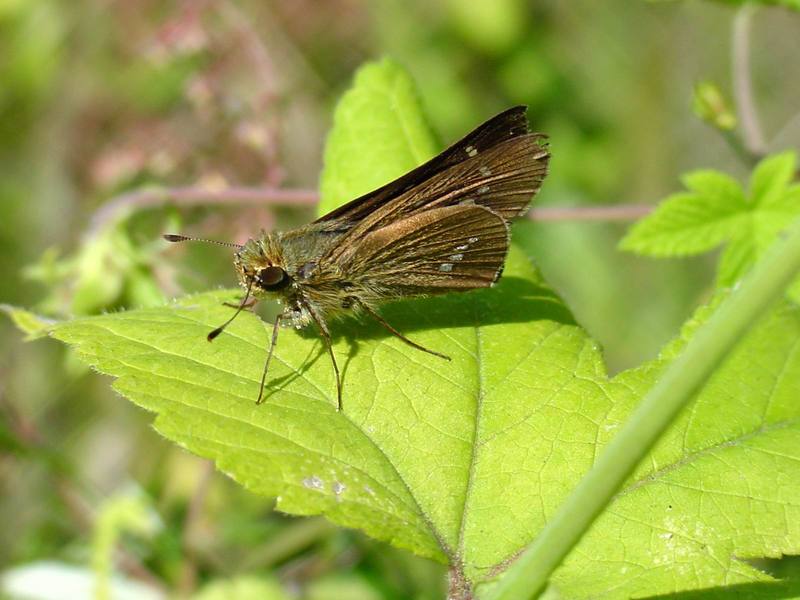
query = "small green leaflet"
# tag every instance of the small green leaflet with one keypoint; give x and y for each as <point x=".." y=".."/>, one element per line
<point x="463" y="462"/>
<point x="32" y="325"/>
<point x="716" y="211"/>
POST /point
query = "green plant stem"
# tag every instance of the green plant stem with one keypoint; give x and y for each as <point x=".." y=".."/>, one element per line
<point x="742" y="82"/>
<point x="123" y="205"/>
<point x="674" y="390"/>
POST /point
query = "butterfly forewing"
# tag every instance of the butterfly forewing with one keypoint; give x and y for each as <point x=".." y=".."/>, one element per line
<point x="507" y="125"/>
<point x="504" y="179"/>
<point x="434" y="251"/>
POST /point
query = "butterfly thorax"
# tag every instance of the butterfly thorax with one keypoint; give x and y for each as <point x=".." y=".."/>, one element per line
<point x="288" y="266"/>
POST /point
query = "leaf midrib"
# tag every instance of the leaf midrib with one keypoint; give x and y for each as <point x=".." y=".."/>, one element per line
<point x="475" y="446"/>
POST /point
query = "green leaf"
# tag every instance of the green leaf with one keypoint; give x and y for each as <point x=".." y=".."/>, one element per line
<point x="465" y="461"/>
<point x="735" y="261"/>
<point x="379" y="133"/>
<point x="786" y="204"/>
<point x="720" y="487"/>
<point x="715" y="185"/>
<point x="35" y="326"/>
<point x="715" y="211"/>
<point x="416" y="460"/>
<point x="690" y="223"/>
<point x="771" y="177"/>
<point x="774" y="205"/>
<point x="407" y="421"/>
<point x="655" y="414"/>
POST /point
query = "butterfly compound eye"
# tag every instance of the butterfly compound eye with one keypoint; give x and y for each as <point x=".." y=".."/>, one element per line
<point x="271" y="278"/>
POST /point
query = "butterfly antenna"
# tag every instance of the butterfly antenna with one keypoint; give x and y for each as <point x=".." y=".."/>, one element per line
<point x="210" y="337"/>
<point x="174" y="237"/>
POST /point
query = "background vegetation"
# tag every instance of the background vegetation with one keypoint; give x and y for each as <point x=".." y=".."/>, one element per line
<point x="218" y="100"/>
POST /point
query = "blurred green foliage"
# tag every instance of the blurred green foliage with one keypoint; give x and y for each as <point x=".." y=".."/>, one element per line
<point x="98" y="99"/>
<point x="718" y="210"/>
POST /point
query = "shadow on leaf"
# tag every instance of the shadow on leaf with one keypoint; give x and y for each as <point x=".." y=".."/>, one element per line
<point x="766" y="590"/>
<point x="513" y="300"/>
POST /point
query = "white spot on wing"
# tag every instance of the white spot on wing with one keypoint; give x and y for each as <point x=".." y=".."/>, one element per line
<point x="313" y="482"/>
<point x="472" y="240"/>
<point x="463" y="247"/>
<point x="446" y="267"/>
<point x="485" y="171"/>
<point x="471" y="151"/>
<point x="467" y="202"/>
<point x="456" y="256"/>
<point x="483" y="189"/>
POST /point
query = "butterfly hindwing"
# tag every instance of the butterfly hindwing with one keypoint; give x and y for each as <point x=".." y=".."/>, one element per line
<point x="435" y="251"/>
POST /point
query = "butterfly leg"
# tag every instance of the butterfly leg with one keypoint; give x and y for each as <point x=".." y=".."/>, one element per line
<point x="274" y="341"/>
<point x="326" y="338"/>
<point x="247" y="305"/>
<point x="396" y="333"/>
